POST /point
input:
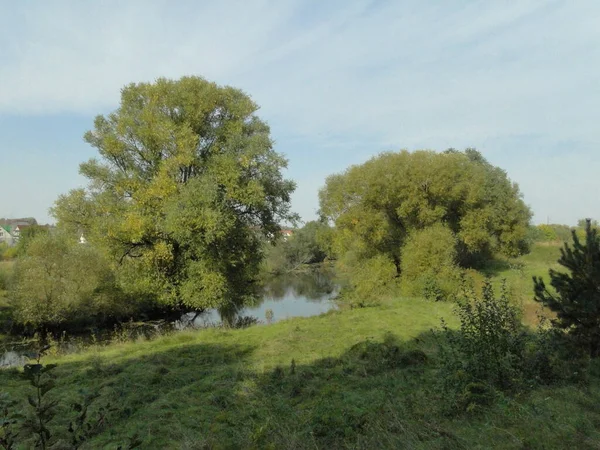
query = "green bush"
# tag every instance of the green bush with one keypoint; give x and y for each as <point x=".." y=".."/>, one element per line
<point x="551" y="358"/>
<point x="4" y="278"/>
<point x="493" y="353"/>
<point x="58" y="281"/>
<point x="374" y="279"/>
<point x="428" y="265"/>
<point x="7" y="253"/>
<point x="553" y="233"/>
<point x="486" y="353"/>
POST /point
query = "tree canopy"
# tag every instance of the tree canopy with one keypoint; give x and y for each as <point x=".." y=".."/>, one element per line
<point x="186" y="183"/>
<point x="378" y="205"/>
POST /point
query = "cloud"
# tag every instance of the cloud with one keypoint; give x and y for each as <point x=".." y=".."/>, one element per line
<point x="349" y="78"/>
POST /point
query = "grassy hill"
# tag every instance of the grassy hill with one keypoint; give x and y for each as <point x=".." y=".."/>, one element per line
<point x="346" y="379"/>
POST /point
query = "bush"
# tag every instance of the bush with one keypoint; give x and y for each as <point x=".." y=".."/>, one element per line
<point x="7" y="253"/>
<point x="551" y="358"/>
<point x="58" y="281"/>
<point x="307" y="245"/>
<point x="374" y="279"/>
<point x="553" y="233"/>
<point x="486" y="353"/>
<point x="428" y="265"/>
<point x="4" y="278"/>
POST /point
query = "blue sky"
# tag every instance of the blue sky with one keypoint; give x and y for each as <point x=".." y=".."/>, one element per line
<point x="338" y="81"/>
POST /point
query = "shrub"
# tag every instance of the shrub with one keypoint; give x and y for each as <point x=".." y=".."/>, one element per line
<point x="375" y="278"/>
<point x="4" y="278"/>
<point x="58" y="281"/>
<point x="486" y="353"/>
<point x="551" y="358"/>
<point x="553" y="233"/>
<point x="428" y="265"/>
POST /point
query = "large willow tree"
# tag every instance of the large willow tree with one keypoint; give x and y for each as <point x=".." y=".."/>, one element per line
<point x="391" y="200"/>
<point x="186" y="183"/>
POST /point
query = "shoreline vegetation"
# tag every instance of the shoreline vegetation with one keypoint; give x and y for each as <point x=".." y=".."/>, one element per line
<point x="359" y="378"/>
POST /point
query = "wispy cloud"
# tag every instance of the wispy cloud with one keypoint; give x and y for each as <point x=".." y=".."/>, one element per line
<point x="351" y="77"/>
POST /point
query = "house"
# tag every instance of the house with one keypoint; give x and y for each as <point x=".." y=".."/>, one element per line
<point x="6" y="236"/>
<point x="10" y="229"/>
<point x="286" y="234"/>
<point x="17" y="231"/>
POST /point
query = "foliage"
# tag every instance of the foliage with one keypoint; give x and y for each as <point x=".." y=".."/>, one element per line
<point x="9" y="420"/>
<point x="186" y="184"/>
<point x="43" y="410"/>
<point x="428" y="265"/>
<point x="485" y="353"/>
<point x="58" y="280"/>
<point x="307" y="245"/>
<point x="7" y="253"/>
<point x="38" y="427"/>
<point x="552" y="359"/>
<point x="581" y="227"/>
<point x="87" y="424"/>
<point x="27" y="235"/>
<point x="553" y="232"/>
<point x="576" y="300"/>
<point x="269" y="316"/>
<point x="369" y="281"/>
<point x="4" y="280"/>
<point x="376" y="206"/>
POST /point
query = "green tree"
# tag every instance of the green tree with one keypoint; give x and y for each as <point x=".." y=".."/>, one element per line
<point x="58" y="280"/>
<point x="576" y="300"/>
<point x="376" y="206"/>
<point x="307" y="245"/>
<point x="186" y="184"/>
<point x="27" y="234"/>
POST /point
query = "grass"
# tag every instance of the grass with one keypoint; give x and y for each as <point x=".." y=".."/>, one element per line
<point x="346" y="379"/>
<point x="345" y="388"/>
<point x="519" y="273"/>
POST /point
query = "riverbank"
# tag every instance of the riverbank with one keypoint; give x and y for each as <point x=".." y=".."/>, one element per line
<point x="320" y="382"/>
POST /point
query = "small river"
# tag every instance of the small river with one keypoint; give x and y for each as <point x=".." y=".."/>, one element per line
<point x="290" y="295"/>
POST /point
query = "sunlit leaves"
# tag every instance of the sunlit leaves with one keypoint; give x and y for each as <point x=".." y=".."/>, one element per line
<point x="376" y="206"/>
<point x="186" y="180"/>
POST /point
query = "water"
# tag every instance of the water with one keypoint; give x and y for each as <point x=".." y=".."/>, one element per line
<point x="12" y="359"/>
<point x="291" y="295"/>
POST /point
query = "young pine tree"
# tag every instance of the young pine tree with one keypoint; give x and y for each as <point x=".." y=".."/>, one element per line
<point x="577" y="298"/>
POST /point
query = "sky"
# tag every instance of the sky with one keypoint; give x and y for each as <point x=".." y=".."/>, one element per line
<point x="337" y="81"/>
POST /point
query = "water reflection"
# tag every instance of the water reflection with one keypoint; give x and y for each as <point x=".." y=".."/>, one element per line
<point x="291" y="295"/>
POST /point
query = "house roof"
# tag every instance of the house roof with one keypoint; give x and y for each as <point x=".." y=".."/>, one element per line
<point x="8" y="228"/>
